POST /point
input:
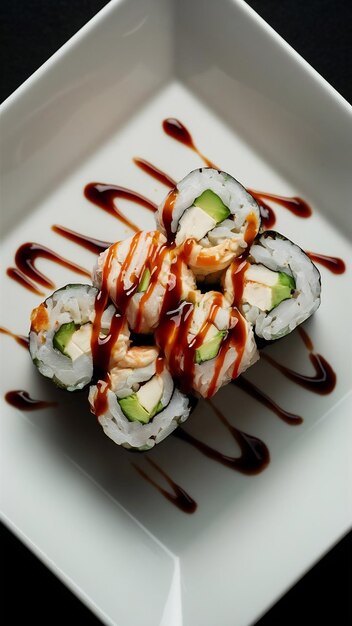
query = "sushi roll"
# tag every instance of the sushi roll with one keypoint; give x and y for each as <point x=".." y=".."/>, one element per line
<point x="276" y="288"/>
<point x="138" y="404"/>
<point x="144" y="278"/>
<point x="206" y="344"/>
<point x="211" y="217"/>
<point x="61" y="334"/>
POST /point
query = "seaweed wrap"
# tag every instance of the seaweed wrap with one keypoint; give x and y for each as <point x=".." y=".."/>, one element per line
<point x="212" y="217"/>
<point x="276" y="287"/>
<point x="144" y="277"/>
<point x="138" y="404"/>
<point x="61" y="333"/>
<point x="206" y="344"/>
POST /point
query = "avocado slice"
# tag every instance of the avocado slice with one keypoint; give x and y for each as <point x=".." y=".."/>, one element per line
<point x="210" y="349"/>
<point x="210" y="202"/>
<point x="286" y="280"/>
<point x="144" y="283"/>
<point x="134" y="411"/>
<point x="282" y="290"/>
<point x="63" y="336"/>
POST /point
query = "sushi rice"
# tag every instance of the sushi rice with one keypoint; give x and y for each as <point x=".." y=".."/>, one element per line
<point x="273" y="256"/>
<point x="68" y="361"/>
<point x="143" y="406"/>
<point x="213" y="218"/>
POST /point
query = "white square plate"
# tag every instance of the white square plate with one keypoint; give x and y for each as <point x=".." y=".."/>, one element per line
<point x="256" y="109"/>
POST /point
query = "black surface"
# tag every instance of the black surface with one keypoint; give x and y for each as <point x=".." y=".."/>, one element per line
<point x="321" y="31"/>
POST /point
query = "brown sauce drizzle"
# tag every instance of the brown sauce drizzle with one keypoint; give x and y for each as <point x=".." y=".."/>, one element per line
<point x="295" y="205"/>
<point x="102" y="346"/>
<point x="239" y="267"/>
<point x="172" y="336"/>
<point x="178" y="496"/>
<point x="175" y="129"/>
<point x="22" y="340"/>
<point x="267" y="214"/>
<point x="254" y="392"/>
<point x="332" y="263"/>
<point x="154" y="171"/>
<point x="21" y="399"/>
<point x="103" y="196"/>
<point x="22" y="280"/>
<point x="89" y="243"/>
<point x="254" y="456"/>
<point x="324" y="380"/>
<point x="26" y="271"/>
<point x="167" y="213"/>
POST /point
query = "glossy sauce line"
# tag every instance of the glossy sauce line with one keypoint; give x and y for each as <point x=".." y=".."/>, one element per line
<point x="257" y="394"/>
<point x="22" y="340"/>
<point x="19" y="277"/>
<point x="102" y="346"/>
<point x="27" y="272"/>
<point x="254" y="456"/>
<point x="89" y="243"/>
<point x="332" y="263"/>
<point x="154" y="171"/>
<point x="103" y="196"/>
<point x="178" y="496"/>
<point x="175" y="129"/>
<point x="21" y="399"/>
<point x="322" y="382"/>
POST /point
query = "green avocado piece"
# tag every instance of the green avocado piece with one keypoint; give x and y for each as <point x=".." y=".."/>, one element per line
<point x="283" y="289"/>
<point x="287" y="280"/>
<point x="210" y="349"/>
<point x="145" y="280"/>
<point x="63" y="335"/>
<point x="134" y="411"/>
<point x="280" y="293"/>
<point x="210" y="202"/>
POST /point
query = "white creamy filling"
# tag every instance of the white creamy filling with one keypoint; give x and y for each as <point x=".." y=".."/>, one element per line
<point x="258" y="295"/>
<point x="194" y="224"/>
<point x="149" y="395"/>
<point x="80" y="342"/>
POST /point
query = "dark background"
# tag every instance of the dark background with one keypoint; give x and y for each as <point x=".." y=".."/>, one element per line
<point x="31" y="31"/>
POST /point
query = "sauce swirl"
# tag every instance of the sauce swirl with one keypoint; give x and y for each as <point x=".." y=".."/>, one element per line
<point x="322" y="382"/>
<point x="254" y="392"/>
<point x="27" y="273"/>
<point x="104" y="196"/>
<point x="254" y="456"/>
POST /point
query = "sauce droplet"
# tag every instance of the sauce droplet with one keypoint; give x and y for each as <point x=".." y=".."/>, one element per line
<point x="21" y="399"/>
<point x="175" y="129"/>
<point x="333" y="263"/>
<point x="178" y="496"/>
